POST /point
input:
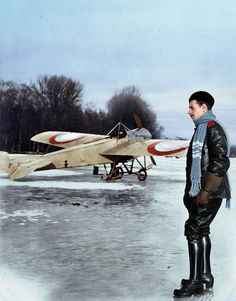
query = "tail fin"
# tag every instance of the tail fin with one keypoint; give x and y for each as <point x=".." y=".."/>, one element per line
<point x="4" y="161"/>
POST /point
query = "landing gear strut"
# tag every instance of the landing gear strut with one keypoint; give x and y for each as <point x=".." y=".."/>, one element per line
<point x="116" y="172"/>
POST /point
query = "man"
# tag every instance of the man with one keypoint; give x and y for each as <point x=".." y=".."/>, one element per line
<point x="206" y="185"/>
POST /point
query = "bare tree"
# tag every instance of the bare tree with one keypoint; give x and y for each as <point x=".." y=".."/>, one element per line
<point x="58" y="96"/>
<point x="95" y="121"/>
<point x="17" y="116"/>
<point x="8" y="120"/>
<point x="124" y="104"/>
<point x="53" y="104"/>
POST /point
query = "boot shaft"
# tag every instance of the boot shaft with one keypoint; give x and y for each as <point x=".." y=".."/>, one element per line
<point x="195" y="249"/>
<point x="207" y="277"/>
<point x="206" y="265"/>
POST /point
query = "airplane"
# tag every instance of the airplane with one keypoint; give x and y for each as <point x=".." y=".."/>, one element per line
<point x="120" y="148"/>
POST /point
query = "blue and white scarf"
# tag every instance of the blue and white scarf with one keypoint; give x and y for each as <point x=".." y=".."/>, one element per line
<point x="197" y="145"/>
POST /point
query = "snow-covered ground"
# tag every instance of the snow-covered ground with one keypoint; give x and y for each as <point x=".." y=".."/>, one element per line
<point x="69" y="235"/>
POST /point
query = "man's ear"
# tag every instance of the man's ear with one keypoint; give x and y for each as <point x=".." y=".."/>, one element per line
<point x="204" y="107"/>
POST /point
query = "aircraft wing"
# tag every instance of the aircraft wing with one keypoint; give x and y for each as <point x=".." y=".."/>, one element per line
<point x="151" y="147"/>
<point x="66" y="139"/>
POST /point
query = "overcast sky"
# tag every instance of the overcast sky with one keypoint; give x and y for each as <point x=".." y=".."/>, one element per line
<point x="167" y="48"/>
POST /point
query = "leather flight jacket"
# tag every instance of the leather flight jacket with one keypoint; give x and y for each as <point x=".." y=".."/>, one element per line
<point x="214" y="160"/>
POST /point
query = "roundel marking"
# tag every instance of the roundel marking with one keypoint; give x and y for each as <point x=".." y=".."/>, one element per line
<point x="164" y="148"/>
<point x="65" y="138"/>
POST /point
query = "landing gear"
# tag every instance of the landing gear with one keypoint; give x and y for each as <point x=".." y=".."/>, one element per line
<point x="117" y="172"/>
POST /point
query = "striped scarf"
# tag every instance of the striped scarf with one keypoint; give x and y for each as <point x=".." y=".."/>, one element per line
<point x="197" y="145"/>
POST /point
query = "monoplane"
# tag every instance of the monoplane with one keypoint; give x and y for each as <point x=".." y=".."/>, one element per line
<point x="120" y="149"/>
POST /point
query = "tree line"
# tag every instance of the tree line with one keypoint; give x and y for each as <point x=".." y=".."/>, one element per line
<point x="56" y="104"/>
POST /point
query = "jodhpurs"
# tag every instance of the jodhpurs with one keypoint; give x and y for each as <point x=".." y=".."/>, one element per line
<point x="198" y="223"/>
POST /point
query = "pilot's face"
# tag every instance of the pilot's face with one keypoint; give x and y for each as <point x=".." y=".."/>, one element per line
<point x="195" y="110"/>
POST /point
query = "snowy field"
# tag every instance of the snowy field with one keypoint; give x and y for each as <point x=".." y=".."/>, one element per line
<point x="67" y="235"/>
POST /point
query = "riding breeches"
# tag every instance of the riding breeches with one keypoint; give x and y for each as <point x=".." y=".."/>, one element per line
<point x="198" y="223"/>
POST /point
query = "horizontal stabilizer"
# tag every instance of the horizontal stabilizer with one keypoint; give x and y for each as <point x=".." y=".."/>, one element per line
<point x="20" y="170"/>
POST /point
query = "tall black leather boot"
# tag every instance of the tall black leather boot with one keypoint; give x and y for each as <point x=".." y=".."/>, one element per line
<point x="207" y="277"/>
<point x="195" y="285"/>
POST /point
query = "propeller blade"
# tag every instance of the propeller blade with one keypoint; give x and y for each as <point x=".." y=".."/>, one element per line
<point x="137" y="120"/>
<point x="153" y="160"/>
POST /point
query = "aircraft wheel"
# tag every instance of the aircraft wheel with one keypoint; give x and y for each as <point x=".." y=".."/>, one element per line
<point x="142" y="174"/>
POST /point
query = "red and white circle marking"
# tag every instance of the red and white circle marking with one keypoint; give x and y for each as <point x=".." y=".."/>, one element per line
<point x="65" y="138"/>
<point x="165" y="148"/>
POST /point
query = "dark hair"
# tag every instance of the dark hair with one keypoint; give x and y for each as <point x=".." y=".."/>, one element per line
<point x="203" y="97"/>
